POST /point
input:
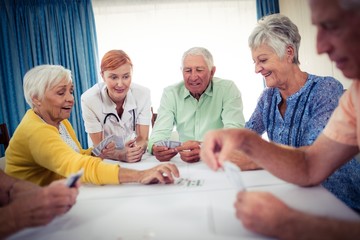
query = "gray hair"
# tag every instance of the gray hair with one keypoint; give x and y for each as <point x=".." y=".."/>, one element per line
<point x="42" y="78"/>
<point x="278" y="32"/>
<point x="199" y="51"/>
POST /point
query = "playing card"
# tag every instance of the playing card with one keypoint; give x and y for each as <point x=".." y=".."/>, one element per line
<point x="111" y="138"/>
<point x="168" y="143"/>
<point x="174" y="144"/>
<point x="233" y="172"/>
<point x="71" y="180"/>
<point x="119" y="142"/>
<point x="132" y="136"/>
<point x="185" y="182"/>
<point x="160" y="143"/>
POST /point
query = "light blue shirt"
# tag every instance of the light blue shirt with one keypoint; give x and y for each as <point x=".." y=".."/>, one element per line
<point x="220" y="106"/>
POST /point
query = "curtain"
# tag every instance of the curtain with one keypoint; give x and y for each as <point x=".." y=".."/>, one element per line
<point x="35" y="32"/>
<point x="266" y="7"/>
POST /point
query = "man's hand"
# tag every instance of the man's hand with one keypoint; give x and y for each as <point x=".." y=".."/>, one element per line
<point x="262" y="212"/>
<point x="39" y="206"/>
<point x="189" y="151"/>
<point x="163" y="154"/>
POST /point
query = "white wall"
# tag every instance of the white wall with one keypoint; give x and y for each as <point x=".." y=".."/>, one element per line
<point x="298" y="11"/>
<point x="156" y="33"/>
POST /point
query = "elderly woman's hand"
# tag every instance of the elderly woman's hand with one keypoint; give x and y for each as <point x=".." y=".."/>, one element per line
<point x="163" y="173"/>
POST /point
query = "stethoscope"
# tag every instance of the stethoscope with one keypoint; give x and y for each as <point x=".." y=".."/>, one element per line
<point x="117" y="118"/>
<point x="112" y="114"/>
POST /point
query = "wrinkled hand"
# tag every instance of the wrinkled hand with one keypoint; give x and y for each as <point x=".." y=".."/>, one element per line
<point x="189" y="151"/>
<point x="162" y="153"/>
<point x="19" y="187"/>
<point x="242" y="161"/>
<point x="163" y="173"/>
<point x="218" y="145"/>
<point x="262" y="212"/>
<point x="39" y="206"/>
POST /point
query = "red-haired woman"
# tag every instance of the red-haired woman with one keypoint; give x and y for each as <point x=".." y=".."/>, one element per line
<point x="118" y="109"/>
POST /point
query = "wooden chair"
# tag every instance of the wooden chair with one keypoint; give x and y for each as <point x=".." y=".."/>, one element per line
<point x="153" y="118"/>
<point x="4" y="135"/>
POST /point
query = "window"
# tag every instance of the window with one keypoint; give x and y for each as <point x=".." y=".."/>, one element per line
<point x="156" y="33"/>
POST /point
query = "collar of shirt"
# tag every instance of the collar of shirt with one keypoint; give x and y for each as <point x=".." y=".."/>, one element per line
<point x="110" y="107"/>
<point x="208" y="91"/>
<point x="309" y="82"/>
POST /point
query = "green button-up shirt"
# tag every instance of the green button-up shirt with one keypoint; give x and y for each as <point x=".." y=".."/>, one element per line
<point x="220" y="106"/>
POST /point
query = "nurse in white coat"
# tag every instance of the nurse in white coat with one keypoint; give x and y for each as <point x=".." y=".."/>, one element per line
<point x="118" y="107"/>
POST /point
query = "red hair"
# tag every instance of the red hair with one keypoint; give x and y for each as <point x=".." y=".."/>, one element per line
<point x="114" y="59"/>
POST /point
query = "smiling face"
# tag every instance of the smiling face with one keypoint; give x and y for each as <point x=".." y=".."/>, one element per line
<point x="338" y="35"/>
<point x="57" y="103"/>
<point x="268" y="64"/>
<point x="118" y="82"/>
<point x="196" y="74"/>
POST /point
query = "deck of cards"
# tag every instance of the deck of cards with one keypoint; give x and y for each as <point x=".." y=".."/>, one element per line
<point x="119" y="142"/>
<point x="233" y="173"/>
<point x="168" y="143"/>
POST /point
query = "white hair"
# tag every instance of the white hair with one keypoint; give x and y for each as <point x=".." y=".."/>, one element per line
<point x="42" y="78"/>
<point x="278" y="32"/>
<point x="199" y="51"/>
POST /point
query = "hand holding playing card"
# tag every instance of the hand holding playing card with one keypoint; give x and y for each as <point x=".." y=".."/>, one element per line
<point x="168" y="143"/>
<point x="189" y="151"/>
<point x="165" y="150"/>
<point x="133" y="152"/>
<point x="109" y="151"/>
<point x="98" y="149"/>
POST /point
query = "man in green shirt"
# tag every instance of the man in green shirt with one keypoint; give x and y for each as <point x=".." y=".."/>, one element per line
<point x="196" y="105"/>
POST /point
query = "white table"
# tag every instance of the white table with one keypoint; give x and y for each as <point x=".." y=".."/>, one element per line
<point x="176" y="211"/>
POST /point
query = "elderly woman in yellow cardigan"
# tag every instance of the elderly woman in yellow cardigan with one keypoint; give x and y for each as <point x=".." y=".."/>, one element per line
<point x="44" y="146"/>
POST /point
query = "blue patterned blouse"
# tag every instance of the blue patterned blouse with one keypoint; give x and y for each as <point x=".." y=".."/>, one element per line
<point x="306" y="115"/>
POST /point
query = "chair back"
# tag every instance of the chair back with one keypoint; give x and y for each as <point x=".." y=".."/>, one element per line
<point x="4" y="135"/>
<point x="153" y="118"/>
